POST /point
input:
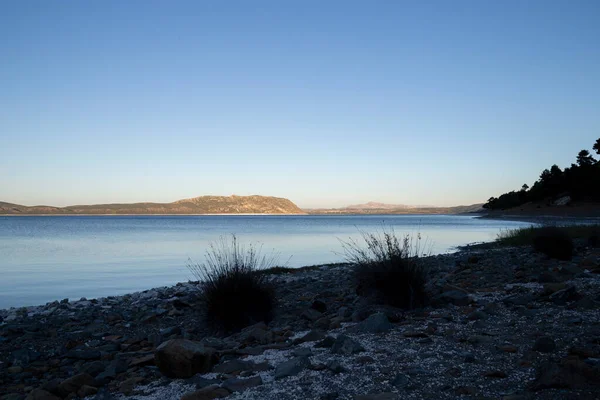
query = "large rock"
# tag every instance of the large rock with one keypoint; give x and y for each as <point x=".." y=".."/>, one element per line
<point x="74" y="383"/>
<point x="291" y="367"/>
<point x="346" y="346"/>
<point x="239" y="385"/>
<point x="39" y="394"/>
<point x="207" y="393"/>
<point x="456" y="297"/>
<point x="182" y="358"/>
<point x="376" y="323"/>
<point x="567" y="374"/>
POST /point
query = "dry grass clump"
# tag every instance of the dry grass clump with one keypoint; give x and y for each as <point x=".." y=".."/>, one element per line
<point x="387" y="269"/>
<point x="234" y="292"/>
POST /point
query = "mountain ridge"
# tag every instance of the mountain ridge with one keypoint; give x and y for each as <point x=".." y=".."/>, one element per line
<point x="253" y="204"/>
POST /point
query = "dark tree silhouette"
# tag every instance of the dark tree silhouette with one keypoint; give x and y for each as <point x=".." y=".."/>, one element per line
<point x="580" y="181"/>
<point x="585" y="159"/>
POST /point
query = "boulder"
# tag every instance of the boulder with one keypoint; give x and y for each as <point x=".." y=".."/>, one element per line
<point x="375" y="323"/>
<point x="182" y="358"/>
<point x="39" y="394"/>
<point x="291" y="367"/>
<point x="239" y="385"/>
<point x="346" y="346"/>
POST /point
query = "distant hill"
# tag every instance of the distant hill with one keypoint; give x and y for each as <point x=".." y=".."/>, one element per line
<point x="197" y="205"/>
<point x="382" y="208"/>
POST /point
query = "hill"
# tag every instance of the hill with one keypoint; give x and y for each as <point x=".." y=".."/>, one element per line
<point x="557" y="191"/>
<point x="197" y="205"/>
<point x="381" y="208"/>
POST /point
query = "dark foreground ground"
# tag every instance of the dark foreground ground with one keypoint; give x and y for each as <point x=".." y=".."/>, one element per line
<point x="504" y="324"/>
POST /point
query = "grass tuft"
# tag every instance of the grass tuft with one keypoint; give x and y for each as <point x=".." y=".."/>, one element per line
<point x="234" y="292"/>
<point x="387" y="269"/>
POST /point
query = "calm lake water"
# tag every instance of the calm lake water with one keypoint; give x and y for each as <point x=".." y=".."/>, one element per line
<point x="50" y="258"/>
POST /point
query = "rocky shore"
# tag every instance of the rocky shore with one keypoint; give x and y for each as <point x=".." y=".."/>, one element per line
<point x="504" y="323"/>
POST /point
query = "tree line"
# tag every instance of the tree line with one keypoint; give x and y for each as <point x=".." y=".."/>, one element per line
<point x="580" y="181"/>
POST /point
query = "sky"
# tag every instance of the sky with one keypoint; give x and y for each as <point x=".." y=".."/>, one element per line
<point x="326" y="103"/>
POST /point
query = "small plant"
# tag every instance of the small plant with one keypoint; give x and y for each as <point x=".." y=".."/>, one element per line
<point x="387" y="269"/>
<point x="233" y="290"/>
<point x="554" y="242"/>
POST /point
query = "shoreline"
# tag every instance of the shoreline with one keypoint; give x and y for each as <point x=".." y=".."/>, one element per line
<point x="457" y="345"/>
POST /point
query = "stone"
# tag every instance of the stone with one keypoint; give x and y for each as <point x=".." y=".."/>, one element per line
<point x="319" y="305"/>
<point x="39" y="394"/>
<point x="311" y="314"/>
<point x="544" y="344"/>
<point x="93" y="368"/>
<point x="477" y="315"/>
<point x="302" y="352"/>
<point x="86" y="391"/>
<point x="128" y="385"/>
<point x="495" y="374"/>
<point x="182" y="358"/>
<point x="519" y="299"/>
<point x="400" y="381"/>
<point x="346" y="346"/>
<point x="74" y="383"/>
<point x="375" y="323"/>
<point x="311" y="336"/>
<point x="291" y="367"/>
<point x="239" y="385"/>
<point x="566" y="374"/>
<point x="233" y="366"/>
<point x="377" y="396"/>
<point x="564" y="296"/>
<point x="86" y="354"/>
<point x="456" y="297"/>
<point x="207" y="393"/>
<point x="326" y="343"/>
<point x="335" y="366"/>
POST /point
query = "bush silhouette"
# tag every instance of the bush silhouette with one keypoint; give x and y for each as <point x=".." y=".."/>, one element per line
<point x="554" y="242"/>
<point x="388" y="270"/>
<point x="233" y="290"/>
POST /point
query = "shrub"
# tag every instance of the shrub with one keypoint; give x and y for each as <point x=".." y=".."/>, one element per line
<point x="387" y="269"/>
<point x="234" y="292"/>
<point x="554" y="242"/>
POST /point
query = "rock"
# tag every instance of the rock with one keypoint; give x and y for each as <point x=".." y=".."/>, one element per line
<point x="142" y="361"/>
<point x="93" y="368"/>
<point x="495" y="374"/>
<point x="23" y="357"/>
<point x="311" y="336"/>
<point x="291" y="367"/>
<point x="544" y="344"/>
<point x="377" y="396"/>
<point x="319" y="305"/>
<point x="127" y="386"/>
<point x="207" y="393"/>
<point x="375" y="323"/>
<point x="182" y="358"/>
<point x="86" y="354"/>
<point x="346" y="346"/>
<point x="302" y="352"/>
<point x="233" y="366"/>
<point x="335" y="366"/>
<point x="326" y="343"/>
<point x="239" y="385"/>
<point x="519" y="299"/>
<point x="74" y="383"/>
<point x="86" y="391"/>
<point x="567" y="374"/>
<point x="456" y="297"/>
<point x="400" y="381"/>
<point x="311" y="314"/>
<point x="414" y="334"/>
<point x="477" y="315"/>
<point x="39" y="394"/>
<point x="564" y="296"/>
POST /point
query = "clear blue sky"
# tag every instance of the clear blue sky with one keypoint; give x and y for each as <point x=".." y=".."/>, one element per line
<point x="326" y="103"/>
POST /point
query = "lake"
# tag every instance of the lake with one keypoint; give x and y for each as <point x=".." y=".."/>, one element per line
<point x="54" y="257"/>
